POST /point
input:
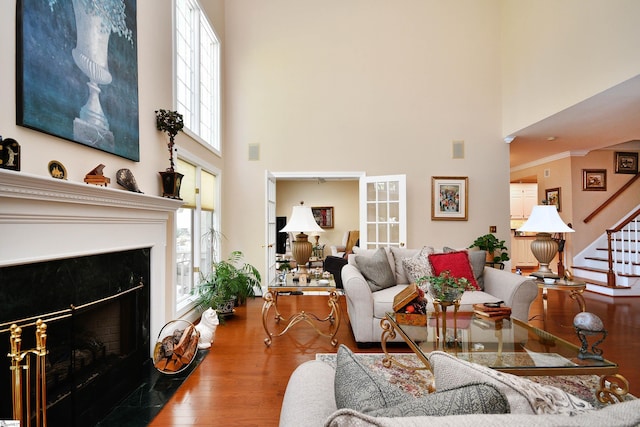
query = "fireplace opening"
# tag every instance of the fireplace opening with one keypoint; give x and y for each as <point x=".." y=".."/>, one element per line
<point x="97" y="313"/>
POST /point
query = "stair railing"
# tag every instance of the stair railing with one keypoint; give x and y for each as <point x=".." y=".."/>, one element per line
<point x="611" y="199"/>
<point x="623" y="247"/>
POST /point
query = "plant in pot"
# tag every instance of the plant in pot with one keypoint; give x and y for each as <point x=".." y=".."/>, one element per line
<point x="230" y="281"/>
<point x="495" y="248"/>
<point x="445" y="287"/>
<point x="170" y="122"/>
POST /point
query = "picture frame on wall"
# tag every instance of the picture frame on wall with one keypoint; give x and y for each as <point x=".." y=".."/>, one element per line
<point x="323" y="216"/>
<point x="552" y="196"/>
<point x="626" y="162"/>
<point x="594" y="180"/>
<point x="449" y="198"/>
<point x="77" y="72"/>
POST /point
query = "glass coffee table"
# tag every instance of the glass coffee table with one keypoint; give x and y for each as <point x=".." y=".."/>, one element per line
<point x="326" y="285"/>
<point x="507" y="345"/>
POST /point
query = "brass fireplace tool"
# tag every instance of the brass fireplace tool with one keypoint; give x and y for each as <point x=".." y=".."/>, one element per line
<point x="21" y="361"/>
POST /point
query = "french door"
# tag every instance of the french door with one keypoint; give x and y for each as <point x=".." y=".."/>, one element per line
<point x="383" y="211"/>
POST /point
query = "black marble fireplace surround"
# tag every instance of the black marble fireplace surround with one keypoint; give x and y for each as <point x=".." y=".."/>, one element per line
<point x="98" y="350"/>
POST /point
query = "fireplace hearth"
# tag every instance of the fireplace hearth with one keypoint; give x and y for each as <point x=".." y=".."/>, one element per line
<point x="97" y="313"/>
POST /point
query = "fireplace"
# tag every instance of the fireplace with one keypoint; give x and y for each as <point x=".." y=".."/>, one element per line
<point x="96" y="309"/>
<point x="112" y="314"/>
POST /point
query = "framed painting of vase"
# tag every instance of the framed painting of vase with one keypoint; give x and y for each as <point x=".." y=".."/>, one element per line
<point x="77" y="72"/>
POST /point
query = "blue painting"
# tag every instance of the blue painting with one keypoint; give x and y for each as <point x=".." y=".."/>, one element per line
<point x="77" y="72"/>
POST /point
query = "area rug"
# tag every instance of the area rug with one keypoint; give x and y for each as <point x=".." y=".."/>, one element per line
<point x="418" y="383"/>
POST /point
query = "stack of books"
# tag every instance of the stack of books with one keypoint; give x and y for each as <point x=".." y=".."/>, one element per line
<point x="493" y="313"/>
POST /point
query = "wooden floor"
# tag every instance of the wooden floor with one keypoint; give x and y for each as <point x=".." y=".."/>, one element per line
<point x="242" y="382"/>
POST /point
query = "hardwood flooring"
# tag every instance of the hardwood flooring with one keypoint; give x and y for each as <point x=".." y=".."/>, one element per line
<point x="242" y="382"/>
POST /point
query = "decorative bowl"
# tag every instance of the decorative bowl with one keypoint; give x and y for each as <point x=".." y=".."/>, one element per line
<point x="549" y="280"/>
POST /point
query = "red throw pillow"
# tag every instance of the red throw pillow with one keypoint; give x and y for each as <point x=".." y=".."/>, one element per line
<point x="457" y="263"/>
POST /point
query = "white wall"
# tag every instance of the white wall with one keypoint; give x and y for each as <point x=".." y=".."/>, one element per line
<point x="559" y="53"/>
<point x="376" y="86"/>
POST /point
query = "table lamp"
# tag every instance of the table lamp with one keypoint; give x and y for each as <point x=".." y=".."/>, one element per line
<point x="544" y="220"/>
<point x="302" y="221"/>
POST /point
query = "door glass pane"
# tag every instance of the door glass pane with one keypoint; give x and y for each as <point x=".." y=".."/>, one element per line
<point x="371" y="212"/>
<point x="394" y="191"/>
<point x="382" y="191"/>
<point x="371" y="191"/>
<point x="383" y="236"/>
<point x="394" y="212"/>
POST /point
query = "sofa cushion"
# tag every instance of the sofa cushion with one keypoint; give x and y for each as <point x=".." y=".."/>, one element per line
<point x="418" y="266"/>
<point x="398" y="254"/>
<point x="383" y="300"/>
<point x="457" y="263"/>
<point x="376" y="270"/>
<point x="358" y="388"/>
<point x="524" y="396"/>
<point x="478" y="259"/>
<point x="469" y="399"/>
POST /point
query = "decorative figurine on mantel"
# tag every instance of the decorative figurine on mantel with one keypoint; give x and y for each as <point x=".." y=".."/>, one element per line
<point x="587" y="324"/>
<point x="125" y="178"/>
<point x="96" y="177"/>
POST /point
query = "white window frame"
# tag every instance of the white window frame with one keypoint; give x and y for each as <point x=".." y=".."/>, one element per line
<point x="195" y="121"/>
<point x="185" y="305"/>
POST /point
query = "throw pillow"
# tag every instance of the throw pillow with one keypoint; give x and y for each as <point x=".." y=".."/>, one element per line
<point x="469" y="399"/>
<point x="457" y="263"/>
<point x="418" y="266"/>
<point x="477" y="259"/>
<point x="524" y="396"/>
<point x="358" y="388"/>
<point x="376" y="270"/>
<point x="398" y="254"/>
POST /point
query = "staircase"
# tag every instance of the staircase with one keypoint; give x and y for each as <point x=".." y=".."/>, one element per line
<point x="611" y="265"/>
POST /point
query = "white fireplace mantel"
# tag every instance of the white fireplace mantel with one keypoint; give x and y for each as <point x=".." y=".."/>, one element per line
<point x="44" y="218"/>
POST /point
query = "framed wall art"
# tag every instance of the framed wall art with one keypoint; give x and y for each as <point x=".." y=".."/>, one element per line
<point x="77" y="72"/>
<point x="626" y="163"/>
<point x="323" y="216"/>
<point x="450" y="196"/>
<point x="594" y="179"/>
<point x="552" y="196"/>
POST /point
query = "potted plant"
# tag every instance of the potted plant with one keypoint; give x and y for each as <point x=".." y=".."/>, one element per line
<point x="495" y="248"/>
<point x="230" y="281"/>
<point x="445" y="287"/>
<point x="170" y="122"/>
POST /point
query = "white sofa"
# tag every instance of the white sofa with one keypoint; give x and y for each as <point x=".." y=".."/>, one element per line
<point x="310" y="400"/>
<point x="367" y="308"/>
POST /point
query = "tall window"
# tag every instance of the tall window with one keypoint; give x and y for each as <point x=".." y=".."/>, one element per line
<point x="196" y="238"/>
<point x="197" y="65"/>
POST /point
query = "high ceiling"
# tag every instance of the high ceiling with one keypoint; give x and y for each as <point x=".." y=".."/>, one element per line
<point x="610" y="119"/>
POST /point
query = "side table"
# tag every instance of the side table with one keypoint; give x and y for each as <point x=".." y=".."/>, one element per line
<point x="575" y="289"/>
<point x="314" y="285"/>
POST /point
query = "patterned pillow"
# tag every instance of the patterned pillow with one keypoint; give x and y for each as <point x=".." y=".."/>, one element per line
<point x="418" y="266"/>
<point x="358" y="388"/>
<point x="457" y="263"/>
<point x="524" y="396"/>
<point x="469" y="399"/>
<point x="376" y="270"/>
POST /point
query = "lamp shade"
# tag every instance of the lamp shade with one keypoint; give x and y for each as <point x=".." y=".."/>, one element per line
<point x="545" y="219"/>
<point x="302" y="221"/>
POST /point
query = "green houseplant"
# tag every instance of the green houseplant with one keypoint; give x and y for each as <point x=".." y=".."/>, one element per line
<point x="170" y="122"/>
<point x="445" y="287"/>
<point x="229" y="280"/>
<point x="496" y="250"/>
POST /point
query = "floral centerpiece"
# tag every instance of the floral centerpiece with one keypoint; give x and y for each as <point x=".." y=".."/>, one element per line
<point x="446" y="287"/>
<point x="170" y="122"/>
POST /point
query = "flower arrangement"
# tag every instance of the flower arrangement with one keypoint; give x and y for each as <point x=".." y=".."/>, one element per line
<point x="170" y="122"/>
<point x="446" y="287"/>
